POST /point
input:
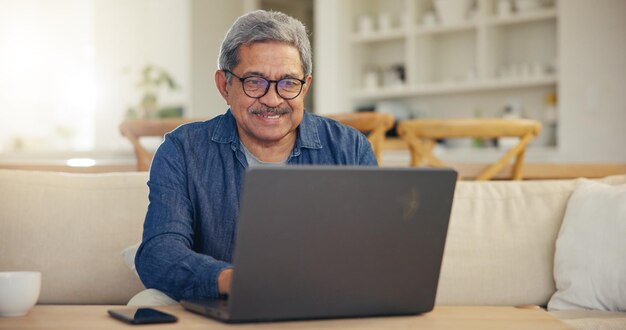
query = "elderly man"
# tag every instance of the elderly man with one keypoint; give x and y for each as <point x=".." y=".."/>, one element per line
<point x="196" y="176"/>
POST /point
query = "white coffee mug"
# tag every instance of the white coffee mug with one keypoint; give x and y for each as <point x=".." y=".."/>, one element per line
<point x="19" y="292"/>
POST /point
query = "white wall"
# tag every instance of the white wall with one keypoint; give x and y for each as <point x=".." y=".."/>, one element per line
<point x="592" y="93"/>
<point x="210" y="21"/>
<point x="46" y="75"/>
<point x="328" y="58"/>
<point x="63" y="85"/>
<point x="128" y="36"/>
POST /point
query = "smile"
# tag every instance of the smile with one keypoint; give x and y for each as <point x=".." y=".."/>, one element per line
<point x="266" y="113"/>
<point x="269" y="116"/>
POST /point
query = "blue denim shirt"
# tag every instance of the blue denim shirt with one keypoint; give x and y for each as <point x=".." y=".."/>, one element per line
<point x="195" y="187"/>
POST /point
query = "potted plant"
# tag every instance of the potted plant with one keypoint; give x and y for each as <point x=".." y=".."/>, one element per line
<point x="152" y="81"/>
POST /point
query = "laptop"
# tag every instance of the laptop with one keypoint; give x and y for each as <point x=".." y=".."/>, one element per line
<point x="328" y="242"/>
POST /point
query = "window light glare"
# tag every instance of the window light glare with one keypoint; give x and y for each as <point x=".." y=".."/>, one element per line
<point x="81" y="162"/>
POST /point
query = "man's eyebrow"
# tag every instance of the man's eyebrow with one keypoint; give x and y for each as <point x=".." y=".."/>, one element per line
<point x="259" y="74"/>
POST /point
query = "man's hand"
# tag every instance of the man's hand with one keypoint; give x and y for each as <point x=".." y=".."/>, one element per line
<point x="223" y="281"/>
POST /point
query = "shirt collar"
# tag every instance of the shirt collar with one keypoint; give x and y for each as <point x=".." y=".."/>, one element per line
<point x="226" y="131"/>
<point x="308" y="135"/>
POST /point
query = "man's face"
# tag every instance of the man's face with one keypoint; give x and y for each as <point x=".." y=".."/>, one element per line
<point x="272" y="61"/>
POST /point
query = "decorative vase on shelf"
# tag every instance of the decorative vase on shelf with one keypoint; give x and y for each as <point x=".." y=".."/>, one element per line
<point x="452" y="12"/>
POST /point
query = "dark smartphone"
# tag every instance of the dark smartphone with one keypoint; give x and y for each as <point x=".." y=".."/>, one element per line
<point x="142" y="315"/>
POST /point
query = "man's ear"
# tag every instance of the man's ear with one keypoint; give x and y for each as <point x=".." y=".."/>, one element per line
<point x="222" y="84"/>
<point x="307" y="85"/>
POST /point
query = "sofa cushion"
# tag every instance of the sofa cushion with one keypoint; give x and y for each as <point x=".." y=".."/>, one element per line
<point x="589" y="269"/>
<point x="72" y="227"/>
<point x="500" y="244"/>
<point x="501" y="241"/>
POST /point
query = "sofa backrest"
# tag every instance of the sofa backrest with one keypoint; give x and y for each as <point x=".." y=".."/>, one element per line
<point x="72" y="228"/>
<point x="501" y="241"/>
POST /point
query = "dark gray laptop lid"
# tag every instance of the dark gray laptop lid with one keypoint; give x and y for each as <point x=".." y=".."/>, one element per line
<point x="320" y="242"/>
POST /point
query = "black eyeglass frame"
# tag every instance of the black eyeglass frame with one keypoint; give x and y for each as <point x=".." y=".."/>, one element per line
<point x="269" y="83"/>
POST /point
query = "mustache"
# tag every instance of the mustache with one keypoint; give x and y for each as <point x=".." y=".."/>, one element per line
<point x="269" y="111"/>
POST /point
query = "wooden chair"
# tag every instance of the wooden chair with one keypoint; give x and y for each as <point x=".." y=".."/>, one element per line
<point x="421" y="136"/>
<point x="133" y="130"/>
<point x="374" y="123"/>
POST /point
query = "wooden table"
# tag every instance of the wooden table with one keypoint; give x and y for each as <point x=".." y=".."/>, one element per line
<point x="443" y="317"/>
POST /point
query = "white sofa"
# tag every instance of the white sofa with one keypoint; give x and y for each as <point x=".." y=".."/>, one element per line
<point x="73" y="227"/>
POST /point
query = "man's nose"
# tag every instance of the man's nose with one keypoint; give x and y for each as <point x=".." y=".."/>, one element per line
<point x="271" y="98"/>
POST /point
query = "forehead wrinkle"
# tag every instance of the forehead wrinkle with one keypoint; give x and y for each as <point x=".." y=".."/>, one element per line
<point x="270" y="60"/>
<point x="262" y="75"/>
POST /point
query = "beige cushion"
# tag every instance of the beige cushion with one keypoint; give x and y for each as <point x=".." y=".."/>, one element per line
<point x="501" y="241"/>
<point x="72" y="228"/>
<point x="589" y="267"/>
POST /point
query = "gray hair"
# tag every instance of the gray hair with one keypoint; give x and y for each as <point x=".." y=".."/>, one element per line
<point x="261" y="26"/>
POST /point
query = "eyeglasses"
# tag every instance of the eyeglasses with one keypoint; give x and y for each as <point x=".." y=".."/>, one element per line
<point x="256" y="87"/>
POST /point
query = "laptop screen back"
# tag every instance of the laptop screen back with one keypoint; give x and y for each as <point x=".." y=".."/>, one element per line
<point x="319" y="242"/>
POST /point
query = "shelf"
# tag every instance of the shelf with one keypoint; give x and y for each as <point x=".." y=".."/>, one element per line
<point x="467" y="26"/>
<point x="447" y="66"/>
<point x="378" y="36"/>
<point x="398" y="33"/>
<point x="538" y="15"/>
<point x="420" y="31"/>
<point x="449" y="88"/>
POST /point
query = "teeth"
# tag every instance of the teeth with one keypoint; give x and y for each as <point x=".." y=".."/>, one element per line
<point x="270" y="117"/>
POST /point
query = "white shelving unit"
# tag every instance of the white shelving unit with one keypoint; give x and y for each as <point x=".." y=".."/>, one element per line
<point x="385" y="93"/>
<point x="451" y="70"/>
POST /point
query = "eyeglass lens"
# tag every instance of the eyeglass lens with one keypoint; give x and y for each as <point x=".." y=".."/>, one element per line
<point x="287" y="88"/>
